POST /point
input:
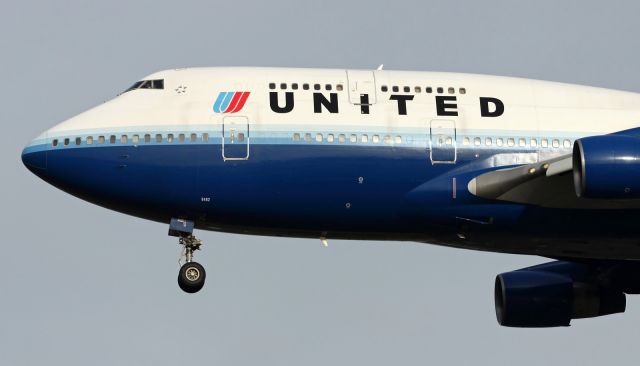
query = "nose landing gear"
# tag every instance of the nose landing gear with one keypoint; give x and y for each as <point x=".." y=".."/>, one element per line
<point x="192" y="274"/>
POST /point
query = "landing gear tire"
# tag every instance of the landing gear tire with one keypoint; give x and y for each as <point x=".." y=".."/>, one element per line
<point x="191" y="277"/>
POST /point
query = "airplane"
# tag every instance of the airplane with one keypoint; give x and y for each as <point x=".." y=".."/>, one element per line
<point x="480" y="162"/>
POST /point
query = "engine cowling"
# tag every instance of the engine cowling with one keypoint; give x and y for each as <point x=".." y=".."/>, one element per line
<point x="607" y="167"/>
<point x="533" y="298"/>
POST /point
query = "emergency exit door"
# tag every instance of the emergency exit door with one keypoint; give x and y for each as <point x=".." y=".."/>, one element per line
<point x="235" y="138"/>
<point x="442" y="141"/>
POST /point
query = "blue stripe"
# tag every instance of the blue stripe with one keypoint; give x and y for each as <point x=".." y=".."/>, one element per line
<point x="226" y="101"/>
<point x="216" y="105"/>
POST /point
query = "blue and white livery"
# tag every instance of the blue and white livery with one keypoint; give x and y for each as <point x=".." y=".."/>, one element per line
<point x="470" y="161"/>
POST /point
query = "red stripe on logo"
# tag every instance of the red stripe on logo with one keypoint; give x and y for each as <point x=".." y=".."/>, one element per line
<point x="241" y="102"/>
<point x="234" y="102"/>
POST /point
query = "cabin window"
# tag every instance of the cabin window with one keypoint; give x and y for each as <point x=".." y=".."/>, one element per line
<point x="135" y="139"/>
<point x="305" y="86"/>
<point x="89" y="140"/>
<point x="429" y="89"/>
<point x="147" y="138"/>
<point x="327" y="87"/>
<point x="283" y="86"/>
<point x="123" y="139"/>
<point x="364" y="138"/>
<point x="272" y="85"/>
<point x="170" y="138"/>
<point x="339" y="87"/>
<point x="158" y="138"/>
<point x="418" y="89"/>
<point x="395" y="89"/>
<point x="511" y="142"/>
<point x="205" y="137"/>
<point x="375" y="139"/>
<point x="384" y="88"/>
<point x="387" y="140"/>
<point x="499" y="141"/>
<point x="466" y="141"/>
<point x="294" y="86"/>
<point x="316" y="86"/>
<point x="544" y="143"/>
<point x="319" y="137"/>
<point x="181" y="138"/>
<point x="452" y="90"/>
<point x="353" y="138"/>
<point x="147" y="84"/>
<point x="522" y="142"/>
<point x="66" y="142"/>
<point x="407" y="89"/>
<point x="78" y="140"/>
<point x="193" y="137"/>
<point x="398" y="140"/>
<point x="555" y="143"/>
<point x="533" y="142"/>
<point x="341" y="138"/>
<point x="488" y="141"/>
<point x="112" y="139"/>
<point x="241" y="136"/>
<point x="296" y="137"/>
<point x="440" y="90"/>
<point x="463" y="91"/>
<point x="330" y="137"/>
<point x="100" y="139"/>
<point x="566" y="144"/>
<point x="477" y="141"/>
<point x="54" y="143"/>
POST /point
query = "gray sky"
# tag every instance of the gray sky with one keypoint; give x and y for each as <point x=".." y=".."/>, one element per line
<point x="83" y="285"/>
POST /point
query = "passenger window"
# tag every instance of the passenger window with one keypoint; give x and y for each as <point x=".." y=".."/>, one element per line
<point x="384" y="88"/>
<point x="205" y="137"/>
<point x="452" y="90"/>
<point x="147" y="138"/>
<point x="477" y="141"/>
<point x="100" y="139"/>
<point x="522" y="142"/>
<point x="556" y="143"/>
<point x="466" y="141"/>
<point x="135" y="139"/>
<point x="54" y="143"/>
<point x="395" y="89"/>
<point x="296" y="137"/>
<point x="544" y="143"/>
<point x="364" y="138"/>
<point x="429" y="89"/>
<point x="440" y="90"/>
<point x="272" y="85"/>
<point x="353" y="138"/>
<point x="499" y="141"/>
<point x="194" y="137"/>
<point x="418" y="89"/>
<point x="463" y="91"/>
<point x="283" y="86"/>
<point x="341" y="138"/>
<point x="307" y="137"/>
<point x="398" y="140"/>
<point x="339" y="87"/>
<point x="112" y="139"/>
<point x="305" y="86"/>
<point x="375" y="139"/>
<point x="158" y="138"/>
<point x="170" y="138"/>
<point x="78" y="140"/>
<point x="488" y="141"/>
<point x="533" y="142"/>
<point x="319" y="137"/>
<point x="181" y="137"/>
<point x="387" y="140"/>
<point x="294" y="86"/>
<point x="511" y="142"/>
<point x="240" y="136"/>
<point x="330" y="137"/>
<point x="566" y="144"/>
<point x="123" y="139"/>
<point x="316" y="86"/>
<point x="449" y="141"/>
<point x="407" y="89"/>
<point x="89" y="140"/>
<point x="66" y="142"/>
<point x="327" y="87"/>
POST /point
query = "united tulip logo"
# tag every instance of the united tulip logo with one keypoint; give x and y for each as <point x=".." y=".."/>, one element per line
<point x="230" y="102"/>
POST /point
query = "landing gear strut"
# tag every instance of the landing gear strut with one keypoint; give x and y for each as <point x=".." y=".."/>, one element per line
<point x="191" y="275"/>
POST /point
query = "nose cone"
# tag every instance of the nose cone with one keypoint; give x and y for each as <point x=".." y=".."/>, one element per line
<point x="34" y="158"/>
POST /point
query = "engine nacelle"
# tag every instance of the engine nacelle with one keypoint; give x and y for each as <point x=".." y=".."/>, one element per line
<point x="607" y="167"/>
<point x="533" y="298"/>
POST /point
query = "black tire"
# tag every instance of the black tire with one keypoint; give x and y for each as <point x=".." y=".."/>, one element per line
<point x="191" y="277"/>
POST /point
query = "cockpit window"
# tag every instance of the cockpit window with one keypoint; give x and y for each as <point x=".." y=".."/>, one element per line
<point x="147" y="84"/>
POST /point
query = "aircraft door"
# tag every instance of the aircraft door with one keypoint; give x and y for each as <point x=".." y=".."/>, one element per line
<point x="362" y="87"/>
<point x="235" y="138"/>
<point x="442" y="141"/>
